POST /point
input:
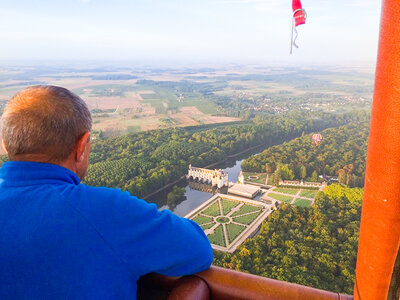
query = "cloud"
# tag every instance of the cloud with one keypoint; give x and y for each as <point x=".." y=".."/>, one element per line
<point x="84" y="1"/>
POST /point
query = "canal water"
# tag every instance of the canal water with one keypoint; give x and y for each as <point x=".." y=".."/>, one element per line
<point x="193" y="197"/>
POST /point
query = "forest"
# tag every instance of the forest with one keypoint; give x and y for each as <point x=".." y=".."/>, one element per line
<point x="342" y="152"/>
<point x="143" y="162"/>
<point x="314" y="246"/>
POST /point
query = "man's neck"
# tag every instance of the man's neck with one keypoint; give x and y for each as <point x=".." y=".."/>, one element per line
<point x="42" y="158"/>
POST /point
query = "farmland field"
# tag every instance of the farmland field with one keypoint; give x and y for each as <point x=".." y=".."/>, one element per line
<point x="157" y="98"/>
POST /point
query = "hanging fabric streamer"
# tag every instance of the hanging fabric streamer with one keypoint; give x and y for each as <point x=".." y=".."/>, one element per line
<point x="299" y="18"/>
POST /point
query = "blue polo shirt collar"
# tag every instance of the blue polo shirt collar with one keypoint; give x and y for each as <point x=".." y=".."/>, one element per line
<point x="23" y="173"/>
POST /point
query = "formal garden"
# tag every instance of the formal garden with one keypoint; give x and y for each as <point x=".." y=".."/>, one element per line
<point x="224" y="220"/>
<point x="295" y="196"/>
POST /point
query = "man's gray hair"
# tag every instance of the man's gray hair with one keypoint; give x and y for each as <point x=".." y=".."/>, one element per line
<point x="44" y="120"/>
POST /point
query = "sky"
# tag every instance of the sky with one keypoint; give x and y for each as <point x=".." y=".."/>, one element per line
<point x="189" y="31"/>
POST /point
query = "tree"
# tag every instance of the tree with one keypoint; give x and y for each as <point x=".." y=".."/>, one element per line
<point x="268" y="168"/>
<point x="314" y="176"/>
<point x="285" y="173"/>
<point x="277" y="177"/>
<point x="343" y="147"/>
<point x="303" y="172"/>
<point x="342" y="177"/>
<point x="314" y="246"/>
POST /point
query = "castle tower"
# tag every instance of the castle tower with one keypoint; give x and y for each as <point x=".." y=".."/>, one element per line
<point x="241" y="177"/>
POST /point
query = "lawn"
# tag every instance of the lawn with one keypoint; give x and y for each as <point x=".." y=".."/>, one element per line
<point x="308" y="193"/>
<point x="214" y="215"/>
<point x="207" y="226"/>
<point x="212" y="210"/>
<point x="233" y="231"/>
<point x="227" y="205"/>
<point x="246" y="209"/>
<point x="247" y="219"/>
<point x="261" y="177"/>
<point x="286" y="191"/>
<point x="217" y="238"/>
<point x="280" y="197"/>
<point x="302" y="203"/>
<point x="199" y="219"/>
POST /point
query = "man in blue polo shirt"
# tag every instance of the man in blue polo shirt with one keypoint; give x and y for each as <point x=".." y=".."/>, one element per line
<point x="60" y="239"/>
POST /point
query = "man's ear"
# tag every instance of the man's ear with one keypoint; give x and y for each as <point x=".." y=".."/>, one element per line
<point x="80" y="146"/>
<point x="4" y="146"/>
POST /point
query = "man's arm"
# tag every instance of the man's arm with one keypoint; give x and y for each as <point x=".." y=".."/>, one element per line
<point x="144" y="238"/>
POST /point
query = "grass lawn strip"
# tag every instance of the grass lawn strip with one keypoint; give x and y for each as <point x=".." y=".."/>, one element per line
<point x="283" y="198"/>
<point x="207" y="226"/>
<point x="302" y="203"/>
<point x="308" y="193"/>
<point x="227" y="205"/>
<point x="233" y="231"/>
<point x="217" y="238"/>
<point x="247" y="219"/>
<point x="261" y="177"/>
<point x="286" y="191"/>
<point x="212" y="210"/>
<point x="199" y="219"/>
<point x="246" y="209"/>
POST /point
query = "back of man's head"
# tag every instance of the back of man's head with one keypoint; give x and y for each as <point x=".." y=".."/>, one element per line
<point x="45" y="121"/>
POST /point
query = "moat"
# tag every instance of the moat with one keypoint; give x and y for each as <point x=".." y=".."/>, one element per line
<point x="194" y="197"/>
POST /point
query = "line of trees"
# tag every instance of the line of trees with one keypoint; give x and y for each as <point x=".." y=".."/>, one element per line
<point x="314" y="246"/>
<point x="145" y="161"/>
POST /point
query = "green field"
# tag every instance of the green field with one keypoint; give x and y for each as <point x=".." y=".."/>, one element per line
<point x="217" y="238"/>
<point x="146" y="96"/>
<point x="302" y="203"/>
<point x="212" y="210"/>
<point x="308" y="193"/>
<point x="286" y="191"/>
<point x="133" y="129"/>
<point x="246" y="209"/>
<point x="247" y="219"/>
<point x="280" y="197"/>
<point x="227" y="205"/>
<point x="233" y="231"/>
<point x="167" y="97"/>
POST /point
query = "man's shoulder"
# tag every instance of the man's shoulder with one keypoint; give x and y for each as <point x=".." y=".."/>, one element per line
<point x="105" y="200"/>
<point x="105" y="192"/>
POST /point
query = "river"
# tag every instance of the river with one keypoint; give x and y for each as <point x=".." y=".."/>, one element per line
<point x="192" y="197"/>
